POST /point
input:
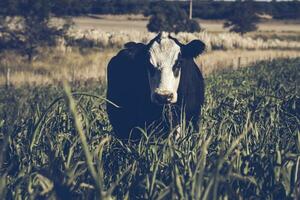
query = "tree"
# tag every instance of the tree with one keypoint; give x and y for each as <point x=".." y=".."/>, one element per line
<point x="243" y="18"/>
<point x="71" y="7"/>
<point x="31" y="29"/>
<point x="171" y="18"/>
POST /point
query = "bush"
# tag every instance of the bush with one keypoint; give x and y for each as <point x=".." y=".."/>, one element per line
<point x="243" y="18"/>
<point x="171" y="18"/>
<point x="31" y="29"/>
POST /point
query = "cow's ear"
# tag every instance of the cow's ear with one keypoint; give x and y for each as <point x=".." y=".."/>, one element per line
<point x="193" y="49"/>
<point x="134" y="45"/>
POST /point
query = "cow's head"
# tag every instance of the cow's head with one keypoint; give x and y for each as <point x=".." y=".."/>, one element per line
<point x="165" y="63"/>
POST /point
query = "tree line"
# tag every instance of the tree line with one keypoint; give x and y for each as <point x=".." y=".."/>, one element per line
<point x="35" y="30"/>
<point x="201" y="9"/>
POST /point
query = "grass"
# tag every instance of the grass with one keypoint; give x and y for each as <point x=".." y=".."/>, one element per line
<point x="52" y="66"/>
<point x="84" y="55"/>
<point x="139" y="22"/>
<point x="88" y="65"/>
<point x="289" y="36"/>
<point x="219" y="41"/>
<point x="58" y="145"/>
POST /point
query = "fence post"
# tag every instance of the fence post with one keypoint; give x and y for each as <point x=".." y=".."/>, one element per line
<point x="73" y="75"/>
<point x="7" y="77"/>
<point x="239" y="62"/>
<point x="191" y="9"/>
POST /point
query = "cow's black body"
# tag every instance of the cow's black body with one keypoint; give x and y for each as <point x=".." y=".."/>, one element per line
<point x="128" y="87"/>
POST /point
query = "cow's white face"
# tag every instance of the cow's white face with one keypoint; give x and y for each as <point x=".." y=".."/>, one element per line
<point x="164" y="72"/>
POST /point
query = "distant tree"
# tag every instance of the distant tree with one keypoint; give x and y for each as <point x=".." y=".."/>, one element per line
<point x="31" y="29"/>
<point x="243" y="18"/>
<point x="71" y="7"/>
<point x="171" y="18"/>
<point x="8" y="7"/>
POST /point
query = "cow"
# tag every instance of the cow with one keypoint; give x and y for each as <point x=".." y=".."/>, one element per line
<point x="143" y="80"/>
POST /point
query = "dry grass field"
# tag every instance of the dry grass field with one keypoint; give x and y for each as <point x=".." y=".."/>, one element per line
<point x="77" y="66"/>
<point x="138" y="22"/>
<point x="274" y="39"/>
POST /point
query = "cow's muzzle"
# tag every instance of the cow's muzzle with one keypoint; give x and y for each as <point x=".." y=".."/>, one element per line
<point x="163" y="97"/>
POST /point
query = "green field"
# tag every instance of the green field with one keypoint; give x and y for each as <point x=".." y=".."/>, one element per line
<point x="55" y="145"/>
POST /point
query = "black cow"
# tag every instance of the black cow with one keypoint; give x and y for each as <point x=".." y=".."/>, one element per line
<point x="143" y="79"/>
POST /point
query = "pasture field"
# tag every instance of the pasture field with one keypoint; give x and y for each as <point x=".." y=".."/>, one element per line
<point x="139" y="23"/>
<point x="57" y="144"/>
<point x="84" y="53"/>
<point x="87" y="65"/>
<point x="91" y="51"/>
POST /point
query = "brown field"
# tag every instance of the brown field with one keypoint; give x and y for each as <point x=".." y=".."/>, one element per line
<point x="53" y="66"/>
<point x="230" y="51"/>
<point x="138" y="22"/>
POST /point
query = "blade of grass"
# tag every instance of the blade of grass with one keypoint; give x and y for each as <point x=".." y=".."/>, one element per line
<point x="83" y="139"/>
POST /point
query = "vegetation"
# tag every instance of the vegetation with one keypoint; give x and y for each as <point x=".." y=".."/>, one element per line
<point x="221" y="41"/>
<point x="83" y="66"/>
<point x="171" y="18"/>
<point x="243" y="19"/>
<point x="58" y="7"/>
<point x="57" y="145"/>
<point x="31" y="29"/>
<point x="202" y="9"/>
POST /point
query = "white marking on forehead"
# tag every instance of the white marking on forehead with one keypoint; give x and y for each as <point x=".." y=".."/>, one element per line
<point x="164" y="54"/>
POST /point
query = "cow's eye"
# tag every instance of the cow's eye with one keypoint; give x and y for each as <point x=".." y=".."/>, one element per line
<point x="151" y="70"/>
<point x="177" y="64"/>
<point x="176" y="71"/>
<point x="176" y="67"/>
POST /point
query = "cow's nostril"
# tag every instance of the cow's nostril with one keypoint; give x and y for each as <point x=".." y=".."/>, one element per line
<point x="170" y="97"/>
<point x="163" y="97"/>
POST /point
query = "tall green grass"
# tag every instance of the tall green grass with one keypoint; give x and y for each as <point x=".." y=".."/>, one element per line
<point x="56" y="144"/>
